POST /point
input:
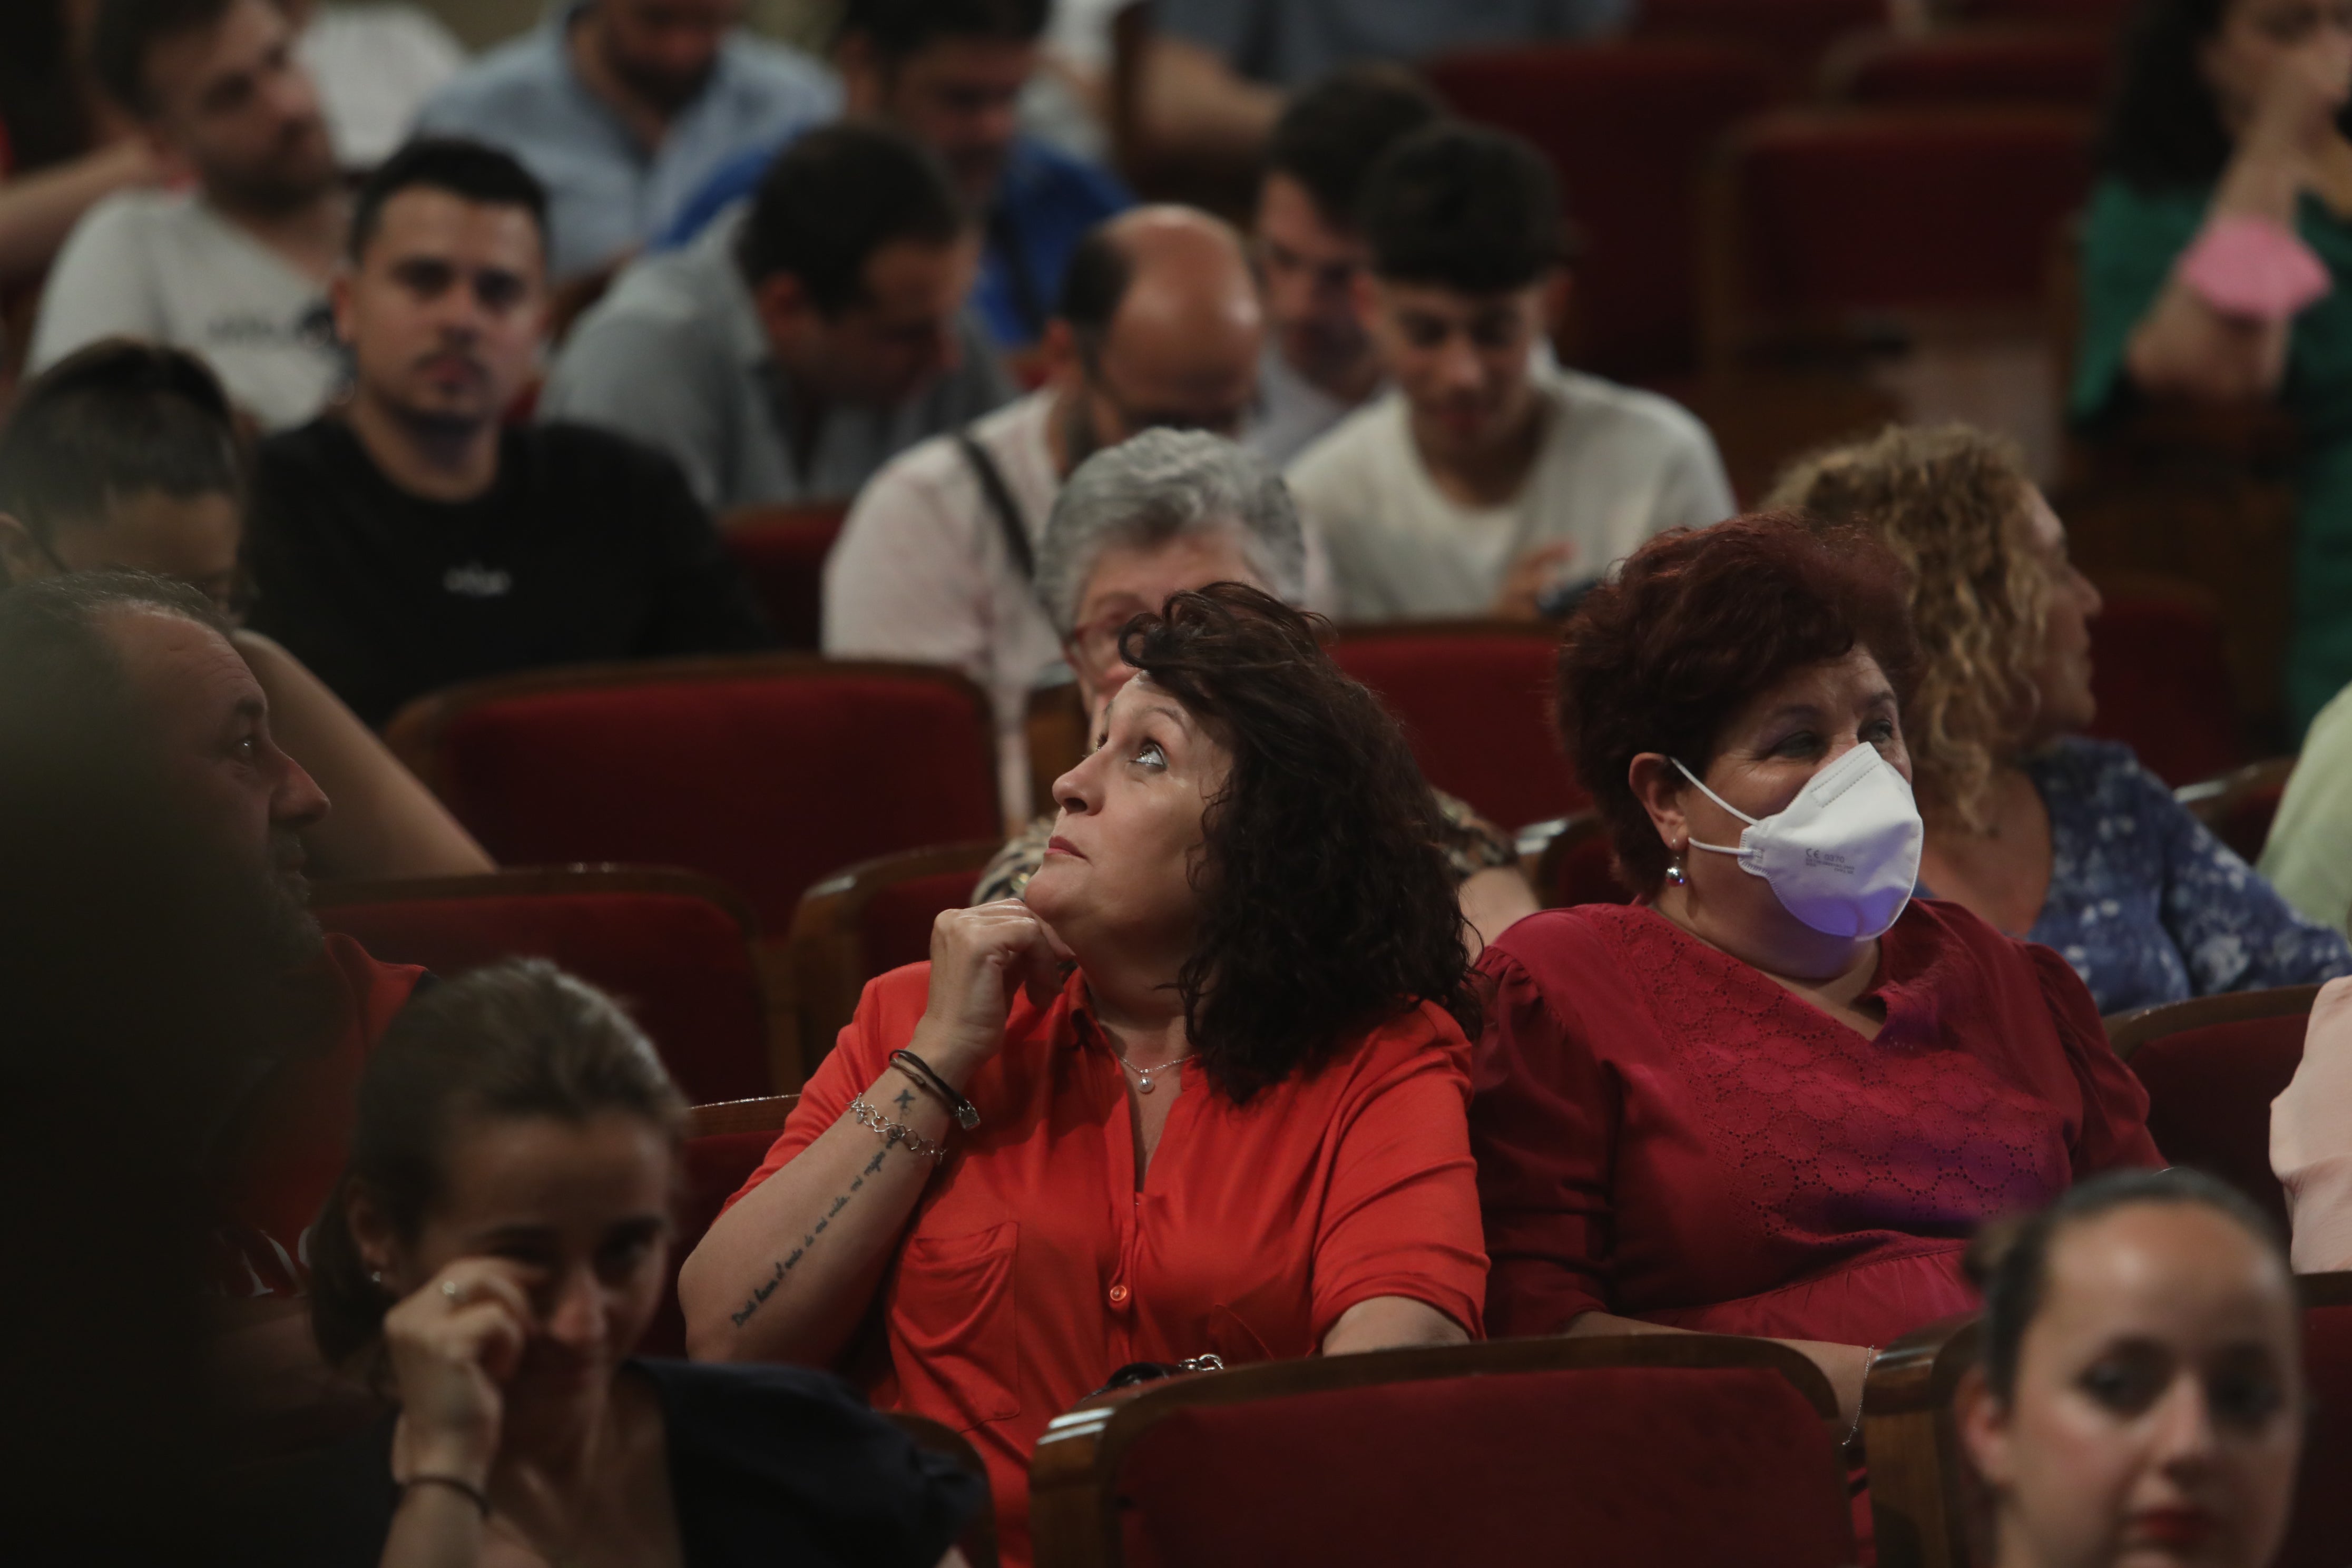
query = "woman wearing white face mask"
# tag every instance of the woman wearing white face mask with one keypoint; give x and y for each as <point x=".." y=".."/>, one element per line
<point x="1776" y="1095"/>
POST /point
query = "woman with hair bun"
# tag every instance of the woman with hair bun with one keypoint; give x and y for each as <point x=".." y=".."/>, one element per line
<point x="1776" y="1094"/>
<point x="2138" y="1396"/>
<point x="489" y="1260"/>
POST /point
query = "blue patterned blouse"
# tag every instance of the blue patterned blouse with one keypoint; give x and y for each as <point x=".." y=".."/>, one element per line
<point x="2146" y="904"/>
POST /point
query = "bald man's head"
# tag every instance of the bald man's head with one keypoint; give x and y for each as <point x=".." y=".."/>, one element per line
<point x="1160" y="325"/>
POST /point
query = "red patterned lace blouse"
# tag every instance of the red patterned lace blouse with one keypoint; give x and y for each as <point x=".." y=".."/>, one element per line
<point x="1663" y="1133"/>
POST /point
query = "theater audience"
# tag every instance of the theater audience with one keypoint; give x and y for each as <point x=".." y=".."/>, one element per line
<point x="950" y="74"/>
<point x="1158" y="325"/>
<point x="802" y="342"/>
<point x="623" y="108"/>
<point x="1166" y="513"/>
<point x="2042" y="832"/>
<point x="1210" y="79"/>
<point x="415" y="537"/>
<point x="122" y="456"/>
<point x="2215" y="253"/>
<point x="235" y="268"/>
<point x="1774" y="1095"/>
<point x="1489" y="482"/>
<point x="376" y="64"/>
<point x="63" y="147"/>
<point x="2308" y="855"/>
<point x="490" y="1257"/>
<point x="2310" y="1137"/>
<point x="1319" y="361"/>
<point x="2138" y="1395"/>
<point x="1266" y="976"/>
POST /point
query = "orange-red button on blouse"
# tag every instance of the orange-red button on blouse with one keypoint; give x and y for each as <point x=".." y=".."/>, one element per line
<point x="1033" y="1268"/>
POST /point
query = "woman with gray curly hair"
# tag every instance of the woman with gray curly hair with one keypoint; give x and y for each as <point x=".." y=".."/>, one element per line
<point x="2044" y="832"/>
<point x="1169" y="512"/>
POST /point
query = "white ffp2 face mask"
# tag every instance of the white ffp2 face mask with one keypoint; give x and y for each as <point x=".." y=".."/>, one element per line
<point x="1844" y="854"/>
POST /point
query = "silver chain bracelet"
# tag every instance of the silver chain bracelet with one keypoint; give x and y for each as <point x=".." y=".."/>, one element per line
<point x="898" y="1132"/>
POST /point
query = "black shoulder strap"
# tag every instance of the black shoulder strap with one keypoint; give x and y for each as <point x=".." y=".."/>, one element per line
<point x="998" y="496"/>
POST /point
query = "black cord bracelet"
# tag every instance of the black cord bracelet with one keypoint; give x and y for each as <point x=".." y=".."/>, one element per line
<point x="967" y="1114"/>
<point x="455" y="1483"/>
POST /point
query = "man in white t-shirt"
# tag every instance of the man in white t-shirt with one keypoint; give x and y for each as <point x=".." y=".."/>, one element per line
<point x="1489" y="482"/>
<point x="234" y="269"/>
<point x="1319" y="365"/>
<point x="1158" y="325"/>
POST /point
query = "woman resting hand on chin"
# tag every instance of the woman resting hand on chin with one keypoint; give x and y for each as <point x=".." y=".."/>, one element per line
<point x="489" y="1260"/>
<point x="1236" y="1128"/>
<point x="1776" y="1094"/>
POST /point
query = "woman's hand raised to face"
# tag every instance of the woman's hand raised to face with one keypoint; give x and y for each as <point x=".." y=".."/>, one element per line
<point x="979" y="957"/>
<point x="453" y="1345"/>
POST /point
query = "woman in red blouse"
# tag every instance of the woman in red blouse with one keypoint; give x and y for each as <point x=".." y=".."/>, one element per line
<point x="1747" y="1104"/>
<point x="1236" y="1128"/>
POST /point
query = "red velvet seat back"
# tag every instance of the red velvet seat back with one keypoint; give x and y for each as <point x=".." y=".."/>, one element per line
<point x="1587" y="874"/>
<point x="1478" y="709"/>
<point x="2210" y="1093"/>
<point x="1848" y="212"/>
<point x="1638" y="1465"/>
<point x="682" y="963"/>
<point x="2246" y="826"/>
<point x="767" y="781"/>
<point x="2163" y="686"/>
<point x="1629" y="127"/>
<point x="2062" y="68"/>
<point x="2320" y="1534"/>
<point x="782" y="550"/>
<point x="715" y="1167"/>
<point x="894" y="927"/>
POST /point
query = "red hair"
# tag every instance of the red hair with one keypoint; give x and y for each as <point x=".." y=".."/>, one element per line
<point x="1696" y="624"/>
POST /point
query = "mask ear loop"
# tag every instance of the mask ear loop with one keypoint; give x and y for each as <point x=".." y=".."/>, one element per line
<point x="1718" y="848"/>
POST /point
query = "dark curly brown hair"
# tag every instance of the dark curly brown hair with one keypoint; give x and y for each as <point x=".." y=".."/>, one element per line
<point x="1327" y="904"/>
<point x="1696" y="625"/>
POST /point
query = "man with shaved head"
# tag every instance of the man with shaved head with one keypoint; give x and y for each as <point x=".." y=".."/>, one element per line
<point x="1158" y="325"/>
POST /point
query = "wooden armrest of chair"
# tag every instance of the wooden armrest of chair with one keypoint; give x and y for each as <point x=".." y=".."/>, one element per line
<point x="1918" y="1496"/>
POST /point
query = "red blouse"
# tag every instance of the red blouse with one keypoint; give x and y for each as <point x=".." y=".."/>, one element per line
<point x="1663" y="1133"/>
<point x="1033" y="1268"/>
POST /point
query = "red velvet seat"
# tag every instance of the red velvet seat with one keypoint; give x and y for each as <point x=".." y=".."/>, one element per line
<point x="782" y="550"/>
<point x="767" y="771"/>
<point x="2319" y="1535"/>
<point x="1477" y="700"/>
<point x="1629" y="127"/>
<point x="2211" y="1067"/>
<point x="731" y="1138"/>
<point x="2062" y="67"/>
<point x="2162" y="679"/>
<point x="867" y="921"/>
<point x="680" y="951"/>
<point x="1824" y="220"/>
<point x="1586" y="1451"/>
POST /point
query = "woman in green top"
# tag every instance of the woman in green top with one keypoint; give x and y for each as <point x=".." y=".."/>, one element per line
<point x="2227" y="143"/>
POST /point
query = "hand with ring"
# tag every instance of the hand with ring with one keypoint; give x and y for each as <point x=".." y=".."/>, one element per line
<point x="452" y="1346"/>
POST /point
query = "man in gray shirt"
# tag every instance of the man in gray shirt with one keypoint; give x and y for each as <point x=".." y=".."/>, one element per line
<point x="623" y="108"/>
<point x="805" y="338"/>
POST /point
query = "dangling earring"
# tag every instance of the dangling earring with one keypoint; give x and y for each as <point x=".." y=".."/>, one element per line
<point x="375" y="1276"/>
<point x="1675" y="872"/>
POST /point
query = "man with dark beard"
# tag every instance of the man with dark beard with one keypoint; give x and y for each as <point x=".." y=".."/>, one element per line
<point x="624" y="108"/>
<point x="234" y="268"/>
<point x="414" y="538"/>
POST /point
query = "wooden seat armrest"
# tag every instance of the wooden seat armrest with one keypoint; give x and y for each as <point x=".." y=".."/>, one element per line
<point x="1919" y="1371"/>
<point x="1919" y="1497"/>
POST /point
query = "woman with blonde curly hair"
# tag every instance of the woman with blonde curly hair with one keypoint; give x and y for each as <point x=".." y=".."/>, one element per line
<point x="2044" y="832"/>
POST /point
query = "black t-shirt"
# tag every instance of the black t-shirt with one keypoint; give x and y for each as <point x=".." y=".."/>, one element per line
<point x="767" y="1465"/>
<point x="588" y="547"/>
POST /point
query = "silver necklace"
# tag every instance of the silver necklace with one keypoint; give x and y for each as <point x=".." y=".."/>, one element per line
<point x="1143" y="1075"/>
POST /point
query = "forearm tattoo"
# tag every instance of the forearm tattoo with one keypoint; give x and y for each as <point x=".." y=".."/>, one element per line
<point x="785" y="1265"/>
